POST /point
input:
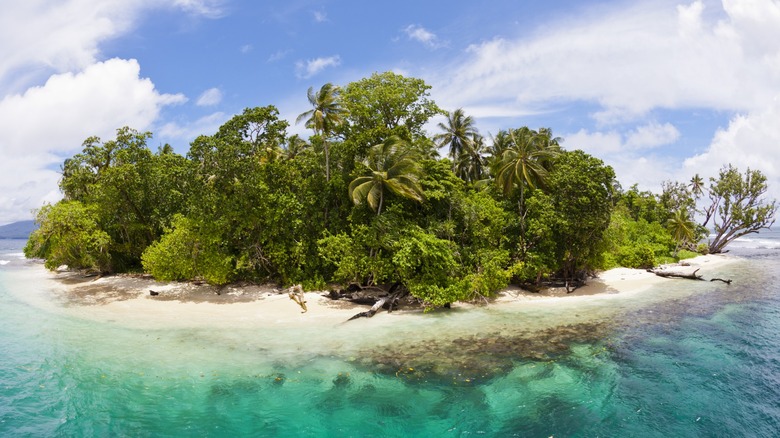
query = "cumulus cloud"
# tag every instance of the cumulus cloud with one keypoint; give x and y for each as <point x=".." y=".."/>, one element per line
<point x="652" y="135"/>
<point x="50" y="121"/>
<point x="55" y="90"/>
<point x="594" y="143"/>
<point x="58" y="115"/>
<point x="750" y="140"/>
<point x="312" y="67"/>
<point x="423" y="35"/>
<point x="206" y="125"/>
<point x="631" y="153"/>
<point x="647" y="136"/>
<point x="54" y="36"/>
<point x="210" y="97"/>
<point x="25" y="185"/>
<point x="630" y="61"/>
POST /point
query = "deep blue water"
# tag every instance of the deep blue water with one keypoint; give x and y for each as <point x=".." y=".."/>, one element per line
<point x="702" y="361"/>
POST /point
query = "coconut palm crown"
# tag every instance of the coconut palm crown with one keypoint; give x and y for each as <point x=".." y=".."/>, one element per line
<point x="391" y="166"/>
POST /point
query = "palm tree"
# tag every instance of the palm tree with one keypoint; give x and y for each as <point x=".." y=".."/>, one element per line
<point x="525" y="160"/>
<point x="295" y="146"/>
<point x="471" y="163"/>
<point x="458" y="132"/>
<point x="500" y="143"/>
<point x="425" y="149"/>
<point x="391" y="166"/>
<point x="682" y="228"/>
<point x="697" y="186"/>
<point x="326" y="114"/>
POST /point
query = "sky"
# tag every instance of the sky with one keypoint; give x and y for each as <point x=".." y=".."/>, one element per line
<point x="660" y="90"/>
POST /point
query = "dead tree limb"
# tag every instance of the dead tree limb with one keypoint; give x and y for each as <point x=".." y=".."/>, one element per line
<point x="720" y="279"/>
<point x="671" y="274"/>
<point x="370" y="312"/>
<point x="389" y="301"/>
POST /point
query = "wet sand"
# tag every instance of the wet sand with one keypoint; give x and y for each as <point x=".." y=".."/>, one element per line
<point x="467" y="342"/>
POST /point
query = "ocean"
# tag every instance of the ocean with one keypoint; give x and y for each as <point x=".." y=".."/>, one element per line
<point x="684" y="358"/>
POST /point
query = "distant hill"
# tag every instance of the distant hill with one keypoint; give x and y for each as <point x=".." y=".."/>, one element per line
<point x="17" y="230"/>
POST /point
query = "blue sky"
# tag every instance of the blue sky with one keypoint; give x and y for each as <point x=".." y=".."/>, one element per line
<point x="658" y="89"/>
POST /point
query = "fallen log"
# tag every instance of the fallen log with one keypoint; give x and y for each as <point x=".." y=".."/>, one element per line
<point x="390" y="300"/>
<point x="370" y="312"/>
<point x="672" y="274"/>
<point x="691" y="276"/>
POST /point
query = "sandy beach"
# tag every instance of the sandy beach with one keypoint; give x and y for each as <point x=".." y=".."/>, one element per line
<point x="127" y="299"/>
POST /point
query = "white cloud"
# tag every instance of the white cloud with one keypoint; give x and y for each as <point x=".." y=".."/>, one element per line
<point x="55" y="90"/>
<point x="630" y="61"/>
<point x="207" y="125"/>
<point x="751" y="140"/>
<point x="320" y="17"/>
<point x="206" y="8"/>
<point x="50" y="121"/>
<point x="311" y="67"/>
<point x="594" y="143"/>
<point x="278" y="55"/>
<point x="60" y="114"/>
<point x="54" y="36"/>
<point x="25" y="185"/>
<point x="631" y="167"/>
<point x="210" y="97"/>
<point x="246" y="48"/>
<point x="423" y="35"/>
<point x="647" y="136"/>
<point x="652" y="135"/>
<point x="630" y="153"/>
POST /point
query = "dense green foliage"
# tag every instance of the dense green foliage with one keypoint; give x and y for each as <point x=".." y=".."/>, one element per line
<point x="366" y="199"/>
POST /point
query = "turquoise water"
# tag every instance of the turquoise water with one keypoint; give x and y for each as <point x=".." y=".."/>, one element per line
<point x="691" y="359"/>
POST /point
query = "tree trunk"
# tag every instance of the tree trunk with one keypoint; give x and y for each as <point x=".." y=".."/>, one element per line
<point x="667" y="274"/>
<point x="368" y="314"/>
<point x="397" y="291"/>
<point x="327" y="159"/>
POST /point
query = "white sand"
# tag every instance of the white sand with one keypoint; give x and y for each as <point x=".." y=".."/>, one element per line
<point x="126" y="300"/>
<point x="619" y="283"/>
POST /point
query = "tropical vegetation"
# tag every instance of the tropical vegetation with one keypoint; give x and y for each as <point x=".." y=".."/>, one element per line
<point x="366" y="199"/>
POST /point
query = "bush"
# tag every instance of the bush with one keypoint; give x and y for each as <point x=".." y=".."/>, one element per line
<point x="425" y="264"/>
<point x="69" y="235"/>
<point x="185" y="253"/>
<point x="685" y="254"/>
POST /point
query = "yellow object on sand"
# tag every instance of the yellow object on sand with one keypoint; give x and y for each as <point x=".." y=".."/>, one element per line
<point x="296" y="294"/>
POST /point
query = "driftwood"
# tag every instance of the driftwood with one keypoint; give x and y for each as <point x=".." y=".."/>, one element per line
<point x="368" y="314"/>
<point x="296" y="294"/>
<point x="388" y="300"/>
<point x="672" y="274"/>
<point x="691" y="276"/>
<point x="720" y="279"/>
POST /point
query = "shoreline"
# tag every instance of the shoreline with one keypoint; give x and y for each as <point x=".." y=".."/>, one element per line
<point x="126" y="299"/>
<point x="261" y="320"/>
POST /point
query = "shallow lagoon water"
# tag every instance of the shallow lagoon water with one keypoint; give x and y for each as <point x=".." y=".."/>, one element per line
<point x="683" y="359"/>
